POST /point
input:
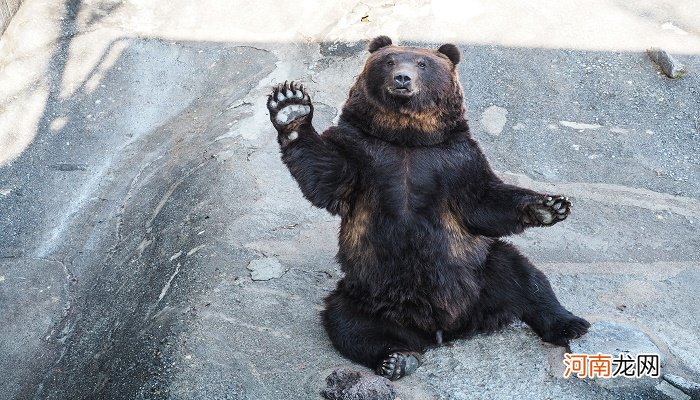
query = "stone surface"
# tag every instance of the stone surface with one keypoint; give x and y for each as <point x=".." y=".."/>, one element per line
<point x="264" y="269"/>
<point x="692" y="389"/>
<point x="608" y="337"/>
<point x="347" y="384"/>
<point x="671" y="391"/>
<point x="494" y="119"/>
<point x="684" y="346"/>
<point x="8" y="8"/>
<point x="672" y="68"/>
<point x="32" y="292"/>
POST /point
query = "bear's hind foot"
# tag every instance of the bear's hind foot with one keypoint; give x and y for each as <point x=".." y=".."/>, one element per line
<point x="399" y="364"/>
<point x="290" y="106"/>
<point x="565" y="329"/>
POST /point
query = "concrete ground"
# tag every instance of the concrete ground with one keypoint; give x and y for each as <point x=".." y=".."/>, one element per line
<point x="140" y="176"/>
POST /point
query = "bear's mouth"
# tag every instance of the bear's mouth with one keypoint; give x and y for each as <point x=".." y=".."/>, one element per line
<point x="400" y="91"/>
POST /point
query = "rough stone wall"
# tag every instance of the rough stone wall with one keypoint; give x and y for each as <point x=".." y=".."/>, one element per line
<point x="8" y="8"/>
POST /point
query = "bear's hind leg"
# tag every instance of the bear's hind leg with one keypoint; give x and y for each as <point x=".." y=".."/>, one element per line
<point x="514" y="285"/>
<point x="391" y="350"/>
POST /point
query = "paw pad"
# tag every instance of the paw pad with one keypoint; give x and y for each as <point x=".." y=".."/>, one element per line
<point x="289" y="105"/>
<point x="548" y="211"/>
<point x="398" y="365"/>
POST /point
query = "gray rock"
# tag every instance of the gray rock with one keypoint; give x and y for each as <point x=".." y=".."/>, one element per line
<point x="264" y="269"/>
<point x="609" y="337"/>
<point x="671" y="392"/>
<point x="683" y="345"/>
<point x="671" y="67"/>
<point x="346" y="384"/>
<point x="692" y="389"/>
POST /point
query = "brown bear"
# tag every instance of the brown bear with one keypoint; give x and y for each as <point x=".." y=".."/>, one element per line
<point x="422" y="213"/>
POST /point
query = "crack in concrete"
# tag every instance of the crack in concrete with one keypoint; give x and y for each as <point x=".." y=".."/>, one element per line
<point x="237" y="322"/>
<point x="169" y="193"/>
<point x="253" y="47"/>
<point x="132" y="186"/>
<point x="167" y="285"/>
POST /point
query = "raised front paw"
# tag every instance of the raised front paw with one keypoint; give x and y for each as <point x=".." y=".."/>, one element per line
<point x="290" y="107"/>
<point x="547" y="211"/>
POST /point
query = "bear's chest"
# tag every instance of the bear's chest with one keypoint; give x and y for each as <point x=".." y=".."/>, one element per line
<point x="410" y="180"/>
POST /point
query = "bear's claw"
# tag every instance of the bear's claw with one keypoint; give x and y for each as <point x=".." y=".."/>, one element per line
<point x="547" y="211"/>
<point x="398" y="365"/>
<point x="290" y="106"/>
<point x="571" y="327"/>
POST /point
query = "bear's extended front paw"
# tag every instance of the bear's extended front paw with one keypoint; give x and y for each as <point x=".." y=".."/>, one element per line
<point x="397" y="365"/>
<point x="547" y="211"/>
<point x="290" y="107"/>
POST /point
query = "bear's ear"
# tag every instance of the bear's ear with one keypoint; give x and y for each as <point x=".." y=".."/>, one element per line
<point x="378" y="42"/>
<point x="451" y="51"/>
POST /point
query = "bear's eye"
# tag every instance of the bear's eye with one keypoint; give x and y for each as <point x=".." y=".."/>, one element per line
<point x="421" y="64"/>
<point x="390" y="62"/>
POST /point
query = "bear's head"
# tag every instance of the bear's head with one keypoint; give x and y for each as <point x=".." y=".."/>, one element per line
<point x="408" y="95"/>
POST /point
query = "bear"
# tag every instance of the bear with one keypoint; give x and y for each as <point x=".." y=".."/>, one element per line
<point x="422" y="214"/>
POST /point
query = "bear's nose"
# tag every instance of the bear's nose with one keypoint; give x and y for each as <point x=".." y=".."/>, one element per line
<point x="402" y="80"/>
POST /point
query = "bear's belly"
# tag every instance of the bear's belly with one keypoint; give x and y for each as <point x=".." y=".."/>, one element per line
<point x="415" y="270"/>
<point x="420" y="238"/>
